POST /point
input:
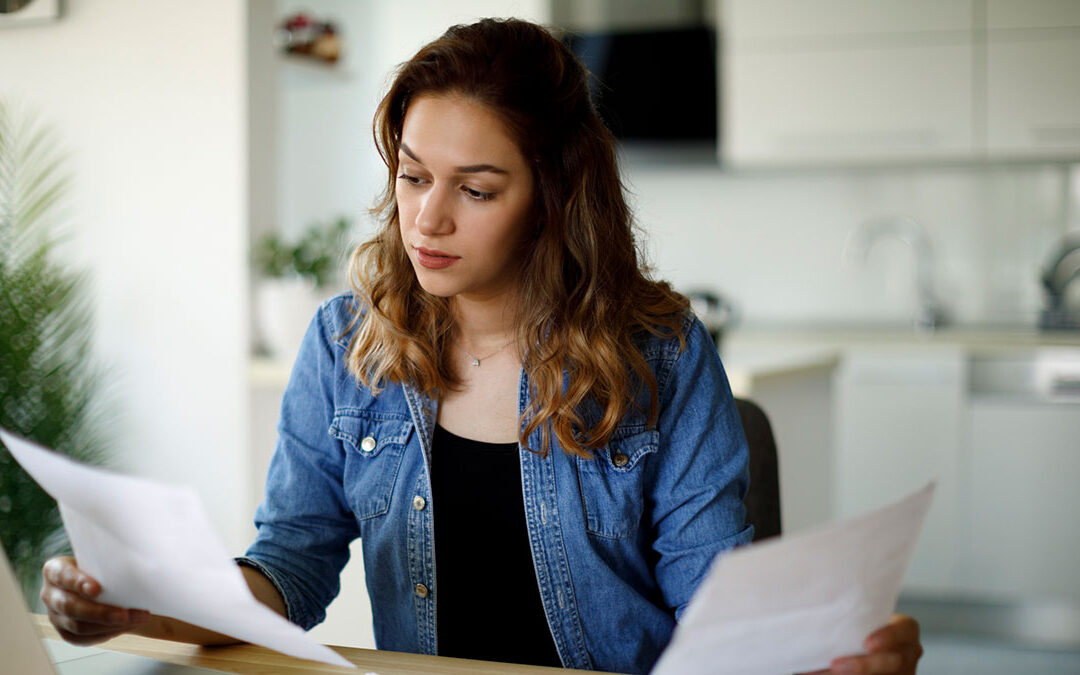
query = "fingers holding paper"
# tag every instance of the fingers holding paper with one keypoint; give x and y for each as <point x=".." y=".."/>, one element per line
<point x="894" y="648"/>
<point x="69" y="596"/>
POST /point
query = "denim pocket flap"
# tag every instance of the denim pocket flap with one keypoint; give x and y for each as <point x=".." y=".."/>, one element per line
<point x="369" y="434"/>
<point x="622" y="454"/>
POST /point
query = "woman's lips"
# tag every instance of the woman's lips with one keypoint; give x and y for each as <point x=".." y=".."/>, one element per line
<point x="434" y="259"/>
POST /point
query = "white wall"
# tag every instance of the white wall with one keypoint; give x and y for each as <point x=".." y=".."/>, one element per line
<point x="149" y="100"/>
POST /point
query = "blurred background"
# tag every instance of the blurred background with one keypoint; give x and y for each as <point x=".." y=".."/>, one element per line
<point x="875" y="204"/>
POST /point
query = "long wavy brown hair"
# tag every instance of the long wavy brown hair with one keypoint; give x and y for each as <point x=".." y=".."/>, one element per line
<point x="584" y="290"/>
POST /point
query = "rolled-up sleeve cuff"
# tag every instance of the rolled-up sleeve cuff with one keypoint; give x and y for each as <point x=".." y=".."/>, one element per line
<point x="276" y="579"/>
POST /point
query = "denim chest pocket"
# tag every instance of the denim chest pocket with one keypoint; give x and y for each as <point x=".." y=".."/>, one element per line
<point x="612" y="484"/>
<point x="374" y="444"/>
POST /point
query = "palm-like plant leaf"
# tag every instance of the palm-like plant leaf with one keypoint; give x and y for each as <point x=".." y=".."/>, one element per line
<point x="50" y="391"/>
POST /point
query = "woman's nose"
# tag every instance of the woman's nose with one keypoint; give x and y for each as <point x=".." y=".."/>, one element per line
<point x="435" y="215"/>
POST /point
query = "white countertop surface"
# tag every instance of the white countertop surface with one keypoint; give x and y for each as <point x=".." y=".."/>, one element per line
<point x="747" y="366"/>
<point x="753" y="353"/>
<point x="979" y="337"/>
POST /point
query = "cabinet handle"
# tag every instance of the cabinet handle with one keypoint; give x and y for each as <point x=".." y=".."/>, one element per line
<point x="890" y="139"/>
<point x="1055" y="134"/>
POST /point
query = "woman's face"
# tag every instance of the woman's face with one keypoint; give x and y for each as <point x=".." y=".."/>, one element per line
<point x="464" y="192"/>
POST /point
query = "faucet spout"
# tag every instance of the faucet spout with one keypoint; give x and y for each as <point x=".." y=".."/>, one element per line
<point x="929" y="313"/>
<point x="1062" y="270"/>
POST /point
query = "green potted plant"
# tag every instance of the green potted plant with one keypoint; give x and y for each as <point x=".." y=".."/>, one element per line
<point x="294" y="278"/>
<point x="50" y="389"/>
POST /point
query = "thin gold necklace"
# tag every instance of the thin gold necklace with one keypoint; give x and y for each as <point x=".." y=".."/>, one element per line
<point x="477" y="359"/>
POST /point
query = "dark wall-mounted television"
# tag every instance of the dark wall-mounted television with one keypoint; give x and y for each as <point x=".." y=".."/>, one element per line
<point x="655" y="86"/>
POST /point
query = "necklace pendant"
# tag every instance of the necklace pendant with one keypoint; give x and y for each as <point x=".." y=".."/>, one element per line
<point x="476" y="363"/>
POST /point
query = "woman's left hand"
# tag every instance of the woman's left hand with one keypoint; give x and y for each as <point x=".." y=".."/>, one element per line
<point x="893" y="648"/>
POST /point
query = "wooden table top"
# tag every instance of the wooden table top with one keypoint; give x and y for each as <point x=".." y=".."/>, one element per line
<point x="253" y="660"/>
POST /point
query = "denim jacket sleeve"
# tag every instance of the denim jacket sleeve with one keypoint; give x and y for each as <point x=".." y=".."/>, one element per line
<point x="696" y="496"/>
<point x="304" y="523"/>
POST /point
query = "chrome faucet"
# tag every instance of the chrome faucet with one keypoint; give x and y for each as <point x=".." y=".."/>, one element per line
<point x="1063" y="269"/>
<point x="929" y="313"/>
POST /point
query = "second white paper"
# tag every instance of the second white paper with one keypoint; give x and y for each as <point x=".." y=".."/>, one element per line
<point x="793" y="604"/>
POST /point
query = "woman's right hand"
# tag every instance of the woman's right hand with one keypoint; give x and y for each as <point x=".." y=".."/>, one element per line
<point x="68" y="594"/>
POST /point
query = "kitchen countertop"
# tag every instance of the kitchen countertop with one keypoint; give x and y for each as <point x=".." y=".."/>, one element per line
<point x="855" y="335"/>
<point x="755" y="355"/>
<point x="748" y="367"/>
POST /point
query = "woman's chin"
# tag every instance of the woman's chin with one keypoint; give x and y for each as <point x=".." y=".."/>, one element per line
<point x="434" y="287"/>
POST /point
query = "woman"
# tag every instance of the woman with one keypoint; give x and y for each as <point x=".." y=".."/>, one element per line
<point x="503" y="362"/>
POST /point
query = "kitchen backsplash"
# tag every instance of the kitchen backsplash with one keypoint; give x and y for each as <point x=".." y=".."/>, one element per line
<point x="774" y="241"/>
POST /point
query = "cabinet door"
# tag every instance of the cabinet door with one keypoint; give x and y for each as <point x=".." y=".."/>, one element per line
<point x="1033" y="93"/>
<point x="897" y="427"/>
<point x="828" y="19"/>
<point x="843" y="81"/>
<point x="1022" y="541"/>
<point x="847" y="105"/>
<point x="1010" y="14"/>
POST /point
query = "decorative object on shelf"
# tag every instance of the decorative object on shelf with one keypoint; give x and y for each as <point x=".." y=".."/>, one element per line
<point x="23" y="12"/>
<point x="301" y="35"/>
<point x="294" y="279"/>
<point x="50" y="390"/>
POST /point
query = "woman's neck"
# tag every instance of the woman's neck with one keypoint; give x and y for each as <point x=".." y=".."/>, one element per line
<point x="484" y="322"/>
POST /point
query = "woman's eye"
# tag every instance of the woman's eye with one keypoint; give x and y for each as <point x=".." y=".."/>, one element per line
<point x="478" y="195"/>
<point x="411" y="180"/>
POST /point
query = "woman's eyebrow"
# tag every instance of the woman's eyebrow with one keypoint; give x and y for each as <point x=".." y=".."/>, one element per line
<point x="472" y="168"/>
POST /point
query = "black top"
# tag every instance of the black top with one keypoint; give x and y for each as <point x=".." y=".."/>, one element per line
<point x="487" y="600"/>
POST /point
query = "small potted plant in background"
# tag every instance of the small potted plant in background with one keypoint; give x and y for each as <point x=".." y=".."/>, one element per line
<point x="294" y="279"/>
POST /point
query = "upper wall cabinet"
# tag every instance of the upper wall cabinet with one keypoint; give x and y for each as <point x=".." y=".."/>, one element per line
<point x="1033" y="78"/>
<point x="849" y="81"/>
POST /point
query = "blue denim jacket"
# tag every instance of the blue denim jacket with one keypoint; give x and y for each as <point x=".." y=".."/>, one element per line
<point x="619" y="542"/>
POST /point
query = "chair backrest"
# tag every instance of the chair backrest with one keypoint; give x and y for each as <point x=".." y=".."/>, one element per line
<point x="763" y="498"/>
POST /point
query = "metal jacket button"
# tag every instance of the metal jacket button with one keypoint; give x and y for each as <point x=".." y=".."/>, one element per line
<point x="421" y="590"/>
<point x="419" y="503"/>
<point x="368" y="444"/>
<point x="621" y="459"/>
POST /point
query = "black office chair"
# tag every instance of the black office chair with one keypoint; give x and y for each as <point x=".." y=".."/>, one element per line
<point x="763" y="499"/>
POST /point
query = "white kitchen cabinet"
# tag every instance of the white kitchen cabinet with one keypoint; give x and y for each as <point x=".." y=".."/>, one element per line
<point x="898" y="425"/>
<point x="823" y="20"/>
<point x="1021" y="14"/>
<point x="844" y="81"/>
<point x="845" y="105"/>
<point x="1022" y="467"/>
<point x="1032" y="85"/>
<point x="1019" y="544"/>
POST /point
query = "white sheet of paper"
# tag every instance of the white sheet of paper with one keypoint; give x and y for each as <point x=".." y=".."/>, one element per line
<point x="152" y="547"/>
<point x="794" y="603"/>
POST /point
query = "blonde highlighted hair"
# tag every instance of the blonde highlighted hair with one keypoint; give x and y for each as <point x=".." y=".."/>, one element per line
<point x="584" y="292"/>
